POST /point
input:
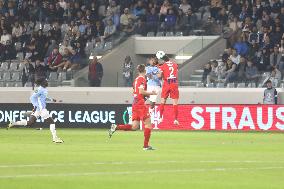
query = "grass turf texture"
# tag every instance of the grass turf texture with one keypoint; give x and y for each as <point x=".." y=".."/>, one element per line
<point x="88" y="159"/>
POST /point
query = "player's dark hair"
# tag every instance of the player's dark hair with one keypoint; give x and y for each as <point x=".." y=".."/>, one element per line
<point x="268" y="81"/>
<point x="156" y="60"/>
<point x="165" y="58"/>
<point x="42" y="82"/>
<point x="141" y="68"/>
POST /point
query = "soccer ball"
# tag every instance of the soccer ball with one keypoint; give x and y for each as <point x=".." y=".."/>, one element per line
<point x="160" y="54"/>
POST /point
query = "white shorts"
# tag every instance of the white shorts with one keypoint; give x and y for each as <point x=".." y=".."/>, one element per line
<point x="153" y="98"/>
<point x="43" y="114"/>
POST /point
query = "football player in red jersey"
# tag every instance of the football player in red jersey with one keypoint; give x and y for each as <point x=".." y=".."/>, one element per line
<point x="140" y="111"/>
<point x="169" y="74"/>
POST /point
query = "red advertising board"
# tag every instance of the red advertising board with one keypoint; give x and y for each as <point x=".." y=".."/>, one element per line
<point x="223" y="117"/>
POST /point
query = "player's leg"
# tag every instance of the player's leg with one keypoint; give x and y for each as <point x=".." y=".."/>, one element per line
<point x="175" y="96"/>
<point x="175" y="106"/>
<point x="47" y="119"/>
<point x="52" y="129"/>
<point x="32" y="120"/>
<point x="147" y="134"/>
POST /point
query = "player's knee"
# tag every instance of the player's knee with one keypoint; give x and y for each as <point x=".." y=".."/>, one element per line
<point x="49" y="120"/>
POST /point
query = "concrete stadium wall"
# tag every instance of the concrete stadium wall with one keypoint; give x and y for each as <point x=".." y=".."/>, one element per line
<point x="108" y="95"/>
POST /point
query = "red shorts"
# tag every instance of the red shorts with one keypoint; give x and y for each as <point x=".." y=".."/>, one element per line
<point x="170" y="90"/>
<point x="140" y="112"/>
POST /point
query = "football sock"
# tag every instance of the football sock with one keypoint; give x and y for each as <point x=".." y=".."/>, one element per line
<point x="176" y="111"/>
<point x="126" y="127"/>
<point x="22" y="122"/>
<point x="147" y="135"/>
<point x="53" y="131"/>
<point x="162" y="109"/>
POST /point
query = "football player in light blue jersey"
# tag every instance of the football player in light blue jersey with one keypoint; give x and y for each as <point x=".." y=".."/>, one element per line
<point x="153" y="81"/>
<point x="39" y="99"/>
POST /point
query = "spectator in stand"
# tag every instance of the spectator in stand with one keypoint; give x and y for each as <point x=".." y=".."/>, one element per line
<point x="66" y="60"/>
<point x="139" y="10"/>
<point x="184" y="6"/>
<point x="170" y="20"/>
<point x="263" y="60"/>
<point x="215" y="8"/>
<point x="217" y="72"/>
<point x="189" y="20"/>
<point x="222" y="17"/>
<point x="110" y="30"/>
<point x="6" y="38"/>
<point x="28" y="73"/>
<point x="140" y="28"/>
<point x="206" y="72"/>
<point x="235" y="57"/>
<point x="275" y="59"/>
<point x="231" y="73"/>
<point x="40" y="70"/>
<point x="124" y="19"/>
<point x="17" y="32"/>
<point x="127" y="72"/>
<point x="63" y="46"/>
<point x="164" y="10"/>
<point x="241" y="46"/>
<point x="152" y="21"/>
<point x="275" y="77"/>
<point x="242" y="69"/>
<point x="54" y="59"/>
<point x="251" y="72"/>
<point x="95" y="73"/>
<point x="254" y="36"/>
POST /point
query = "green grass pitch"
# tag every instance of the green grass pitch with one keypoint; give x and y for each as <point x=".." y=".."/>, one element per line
<point x="88" y="159"/>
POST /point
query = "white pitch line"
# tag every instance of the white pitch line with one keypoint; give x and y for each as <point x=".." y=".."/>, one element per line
<point x="136" y="172"/>
<point x="129" y="163"/>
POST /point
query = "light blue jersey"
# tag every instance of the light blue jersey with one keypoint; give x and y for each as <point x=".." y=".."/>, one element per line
<point x="39" y="98"/>
<point x="152" y="78"/>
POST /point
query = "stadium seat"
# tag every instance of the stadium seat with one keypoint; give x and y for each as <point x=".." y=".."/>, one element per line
<point x="53" y="76"/>
<point x="108" y="46"/>
<point x="1" y="84"/>
<point x="6" y="76"/>
<point x="99" y="47"/>
<point x="28" y="84"/>
<point x="210" y="85"/>
<point x="37" y="26"/>
<point x="18" y="84"/>
<point x="150" y="34"/>
<point x="62" y="76"/>
<point x="46" y="28"/>
<point x="170" y="34"/>
<point x="179" y="34"/>
<point x="21" y="66"/>
<point x="10" y="84"/>
<point x="13" y="66"/>
<point x="4" y="66"/>
<point x="282" y="85"/>
<point x="16" y="76"/>
<point x="160" y="34"/>
<point x="241" y="85"/>
<point x="231" y="85"/>
<point x="252" y="85"/>
<point x="199" y="85"/>
<point x="220" y="85"/>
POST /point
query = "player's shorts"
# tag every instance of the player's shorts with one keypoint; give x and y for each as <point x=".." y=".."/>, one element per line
<point x="170" y="90"/>
<point x="153" y="98"/>
<point x="43" y="114"/>
<point x="140" y="112"/>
